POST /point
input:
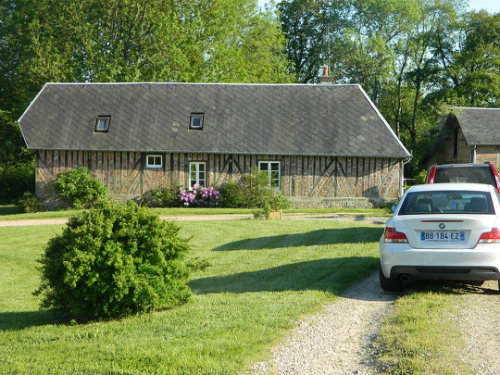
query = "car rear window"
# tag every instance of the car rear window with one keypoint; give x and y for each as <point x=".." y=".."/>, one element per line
<point x="437" y="202"/>
<point x="480" y="175"/>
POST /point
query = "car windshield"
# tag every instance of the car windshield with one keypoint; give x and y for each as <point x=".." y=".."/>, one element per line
<point x="480" y="175"/>
<point x="456" y="202"/>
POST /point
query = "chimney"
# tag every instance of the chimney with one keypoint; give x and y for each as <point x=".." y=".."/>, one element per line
<point x="325" y="78"/>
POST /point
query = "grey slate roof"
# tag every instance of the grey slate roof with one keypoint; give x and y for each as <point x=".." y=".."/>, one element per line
<point x="481" y="126"/>
<point x="280" y="119"/>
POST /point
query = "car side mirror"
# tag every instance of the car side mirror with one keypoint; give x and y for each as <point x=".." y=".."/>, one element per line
<point x="393" y="209"/>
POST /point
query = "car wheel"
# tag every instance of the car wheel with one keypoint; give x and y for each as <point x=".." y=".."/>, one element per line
<point x="390" y="284"/>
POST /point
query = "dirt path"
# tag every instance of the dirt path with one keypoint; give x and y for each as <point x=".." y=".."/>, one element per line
<point x="337" y="340"/>
<point x="341" y="217"/>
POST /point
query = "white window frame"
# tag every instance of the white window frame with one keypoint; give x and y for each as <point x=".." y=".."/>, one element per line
<point x="194" y="116"/>
<point x="268" y="170"/>
<point x="197" y="180"/>
<point x="102" y="124"/>
<point x="154" y="164"/>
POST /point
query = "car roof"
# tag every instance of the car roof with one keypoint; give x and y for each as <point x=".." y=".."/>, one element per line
<point x="468" y="165"/>
<point x="452" y="187"/>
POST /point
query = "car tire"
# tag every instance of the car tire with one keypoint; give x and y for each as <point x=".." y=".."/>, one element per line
<point x="390" y="284"/>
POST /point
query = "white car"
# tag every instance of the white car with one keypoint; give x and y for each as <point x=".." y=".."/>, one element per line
<point x="448" y="231"/>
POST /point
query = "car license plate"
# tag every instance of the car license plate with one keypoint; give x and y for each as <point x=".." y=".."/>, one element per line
<point x="442" y="236"/>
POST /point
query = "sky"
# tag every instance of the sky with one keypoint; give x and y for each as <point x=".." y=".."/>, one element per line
<point x="492" y="6"/>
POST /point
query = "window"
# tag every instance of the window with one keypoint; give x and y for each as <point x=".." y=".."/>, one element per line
<point x="154" y="161"/>
<point x="197" y="174"/>
<point x="102" y="123"/>
<point x="448" y="202"/>
<point x="272" y="168"/>
<point x="196" y="121"/>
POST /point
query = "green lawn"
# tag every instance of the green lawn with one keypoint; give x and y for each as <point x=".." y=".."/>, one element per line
<point x="264" y="276"/>
<point x="11" y="212"/>
<point x="420" y="335"/>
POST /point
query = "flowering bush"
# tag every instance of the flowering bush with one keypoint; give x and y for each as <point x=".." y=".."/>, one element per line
<point x="199" y="196"/>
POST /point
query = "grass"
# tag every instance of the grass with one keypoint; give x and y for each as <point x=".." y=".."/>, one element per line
<point x="11" y="212"/>
<point x="263" y="277"/>
<point x="420" y="336"/>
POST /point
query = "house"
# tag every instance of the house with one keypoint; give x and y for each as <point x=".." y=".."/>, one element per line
<point x="313" y="140"/>
<point x="469" y="135"/>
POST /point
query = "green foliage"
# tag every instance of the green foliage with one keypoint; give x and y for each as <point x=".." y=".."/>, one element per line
<point x="13" y="149"/>
<point x="15" y="179"/>
<point x="233" y="195"/>
<point x="112" y="261"/>
<point x="303" y="23"/>
<point x="253" y="191"/>
<point x="421" y="177"/>
<point x="78" y="187"/>
<point x="256" y="188"/>
<point x="28" y="203"/>
<point x="196" y="41"/>
<point x="161" y="197"/>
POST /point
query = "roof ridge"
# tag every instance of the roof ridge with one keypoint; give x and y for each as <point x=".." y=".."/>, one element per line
<point x="203" y="83"/>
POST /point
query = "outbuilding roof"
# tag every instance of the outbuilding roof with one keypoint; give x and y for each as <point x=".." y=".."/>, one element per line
<point x="279" y="119"/>
<point x="481" y="126"/>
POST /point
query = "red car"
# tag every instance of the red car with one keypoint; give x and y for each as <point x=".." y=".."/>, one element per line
<point x="475" y="173"/>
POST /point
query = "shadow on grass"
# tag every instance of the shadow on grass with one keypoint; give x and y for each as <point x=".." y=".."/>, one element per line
<point x="313" y="238"/>
<point x="329" y="275"/>
<point x="9" y="209"/>
<point x="25" y="319"/>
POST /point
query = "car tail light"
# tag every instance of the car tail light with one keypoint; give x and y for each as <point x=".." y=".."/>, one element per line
<point x="489" y="237"/>
<point x="391" y="235"/>
<point x="432" y="175"/>
<point x="497" y="177"/>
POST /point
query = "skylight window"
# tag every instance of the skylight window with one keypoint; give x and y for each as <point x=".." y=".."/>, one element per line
<point x="196" y="121"/>
<point x="102" y="124"/>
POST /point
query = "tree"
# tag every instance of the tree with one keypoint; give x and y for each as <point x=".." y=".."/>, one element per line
<point x="304" y="23"/>
<point x="475" y="69"/>
<point x="155" y="40"/>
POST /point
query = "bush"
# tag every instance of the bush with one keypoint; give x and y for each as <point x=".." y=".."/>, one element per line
<point x="29" y="203"/>
<point x="253" y="192"/>
<point x="78" y="188"/>
<point x="233" y="195"/>
<point x="15" y="179"/>
<point x="112" y="261"/>
<point x="162" y="197"/>
<point x="256" y="188"/>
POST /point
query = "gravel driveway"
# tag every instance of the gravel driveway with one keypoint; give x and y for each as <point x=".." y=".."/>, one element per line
<point x="338" y="340"/>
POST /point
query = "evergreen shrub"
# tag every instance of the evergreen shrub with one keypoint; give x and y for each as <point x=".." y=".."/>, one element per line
<point x="112" y="261"/>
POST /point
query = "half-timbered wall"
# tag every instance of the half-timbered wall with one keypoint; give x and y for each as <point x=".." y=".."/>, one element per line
<point x="125" y="175"/>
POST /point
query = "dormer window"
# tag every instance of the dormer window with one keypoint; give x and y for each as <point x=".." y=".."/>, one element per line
<point x="196" y="121"/>
<point x="102" y="124"/>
